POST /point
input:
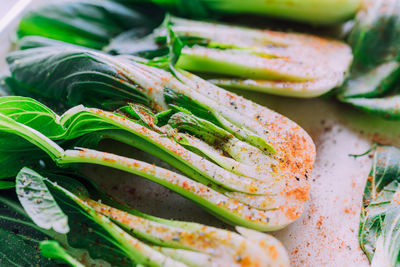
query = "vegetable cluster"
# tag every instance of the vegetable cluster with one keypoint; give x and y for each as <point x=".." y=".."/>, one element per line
<point x="91" y="70"/>
<point x="288" y="64"/>
<point x="375" y="75"/>
<point x="69" y="225"/>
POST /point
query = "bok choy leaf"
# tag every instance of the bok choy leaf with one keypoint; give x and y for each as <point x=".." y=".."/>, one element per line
<point x="52" y="249"/>
<point x="86" y="22"/>
<point x="375" y="73"/>
<point x="16" y="250"/>
<point x="379" y="226"/>
<point x="33" y="243"/>
<point x="154" y="241"/>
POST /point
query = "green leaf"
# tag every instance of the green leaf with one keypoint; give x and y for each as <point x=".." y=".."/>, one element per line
<point x="17" y="151"/>
<point x="375" y="73"/>
<point x="52" y="249"/>
<point x="174" y="42"/>
<point x="83" y="22"/>
<point x="6" y="184"/>
<point x="380" y="188"/>
<point x="84" y="232"/>
<point x="33" y="41"/>
<point x="73" y="76"/>
<point x="387" y="107"/>
<point x="33" y="114"/>
<point x="315" y="13"/>
<point x="38" y="202"/>
<point x="375" y="83"/>
<point x="204" y="129"/>
<point x="376" y="35"/>
<point x="16" y="251"/>
<point x="388" y="243"/>
<point x="5" y="88"/>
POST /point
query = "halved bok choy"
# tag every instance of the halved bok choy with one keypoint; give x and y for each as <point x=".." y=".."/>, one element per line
<point x="289" y="64"/>
<point x="97" y="234"/>
<point x="263" y="202"/>
<point x="244" y="152"/>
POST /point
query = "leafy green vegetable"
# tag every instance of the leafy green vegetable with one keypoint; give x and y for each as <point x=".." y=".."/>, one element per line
<point x="39" y="204"/>
<point x="379" y="216"/>
<point x="238" y="57"/>
<point x="68" y="85"/>
<point x="85" y="76"/>
<point x="376" y="35"/>
<point x="239" y="189"/>
<point x="386" y="107"/>
<point x="85" y="239"/>
<point x="6" y="184"/>
<point x="52" y="249"/>
<point x="321" y="12"/>
<point x="14" y="251"/>
<point x="167" y="243"/>
<point x="373" y="82"/>
<point x="85" y="22"/>
<point x="262" y="165"/>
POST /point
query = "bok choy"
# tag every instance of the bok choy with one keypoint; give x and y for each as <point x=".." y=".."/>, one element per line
<point x="289" y="64"/>
<point x="281" y="63"/>
<point x="379" y="226"/>
<point x="240" y="161"/>
<point x="245" y="186"/>
<point x="373" y="82"/>
<point x="130" y="236"/>
<point x="309" y="11"/>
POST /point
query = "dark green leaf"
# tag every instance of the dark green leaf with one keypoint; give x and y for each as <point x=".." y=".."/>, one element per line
<point x="136" y="42"/>
<point x="5" y="88"/>
<point x="375" y="73"/>
<point x="381" y="185"/>
<point x="85" y="233"/>
<point x="84" y="22"/>
<point x="16" y="251"/>
<point x="72" y="76"/>
<point x="6" y="184"/>
<point x="375" y="37"/>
